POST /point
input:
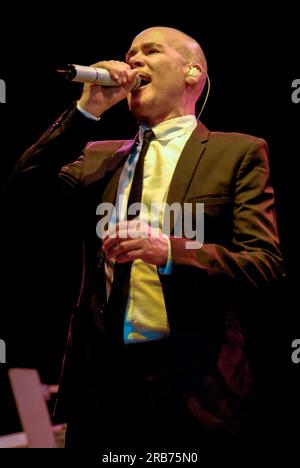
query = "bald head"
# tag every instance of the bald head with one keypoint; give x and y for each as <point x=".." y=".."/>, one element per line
<point x="188" y="47"/>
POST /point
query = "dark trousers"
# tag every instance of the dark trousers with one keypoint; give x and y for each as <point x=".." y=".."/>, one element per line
<point x="140" y="404"/>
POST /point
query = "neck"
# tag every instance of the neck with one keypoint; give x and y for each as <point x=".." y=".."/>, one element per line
<point x="152" y="121"/>
<point x="160" y="110"/>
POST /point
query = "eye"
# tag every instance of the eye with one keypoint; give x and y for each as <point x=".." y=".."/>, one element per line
<point x="152" y="51"/>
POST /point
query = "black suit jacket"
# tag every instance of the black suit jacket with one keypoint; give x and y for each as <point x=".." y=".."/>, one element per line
<point x="209" y="291"/>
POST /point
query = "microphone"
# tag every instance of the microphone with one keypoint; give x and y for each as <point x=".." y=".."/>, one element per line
<point x="84" y="74"/>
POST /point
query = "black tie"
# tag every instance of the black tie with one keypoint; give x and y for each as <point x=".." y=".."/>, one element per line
<point x="120" y="288"/>
<point x="135" y="195"/>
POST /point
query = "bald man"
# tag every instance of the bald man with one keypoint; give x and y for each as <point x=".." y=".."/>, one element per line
<point x="158" y="346"/>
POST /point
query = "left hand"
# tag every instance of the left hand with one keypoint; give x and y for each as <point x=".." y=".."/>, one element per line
<point x="130" y="240"/>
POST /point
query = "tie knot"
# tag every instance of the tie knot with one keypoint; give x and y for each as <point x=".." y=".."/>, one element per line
<point x="148" y="136"/>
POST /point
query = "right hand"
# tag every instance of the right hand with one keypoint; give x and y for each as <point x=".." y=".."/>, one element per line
<point x="96" y="99"/>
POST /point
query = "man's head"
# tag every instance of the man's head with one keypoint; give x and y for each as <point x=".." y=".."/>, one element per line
<point x="172" y="66"/>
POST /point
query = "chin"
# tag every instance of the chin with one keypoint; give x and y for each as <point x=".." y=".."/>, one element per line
<point x="142" y="117"/>
<point x="139" y="110"/>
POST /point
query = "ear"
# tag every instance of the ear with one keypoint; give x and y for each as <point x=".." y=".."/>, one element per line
<point x="193" y="73"/>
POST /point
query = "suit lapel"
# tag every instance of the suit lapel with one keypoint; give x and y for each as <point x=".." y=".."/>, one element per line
<point x="109" y="195"/>
<point x="186" y="166"/>
<point x="116" y="165"/>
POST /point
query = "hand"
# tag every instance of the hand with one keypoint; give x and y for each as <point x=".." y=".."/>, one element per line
<point x="130" y="240"/>
<point x="96" y="99"/>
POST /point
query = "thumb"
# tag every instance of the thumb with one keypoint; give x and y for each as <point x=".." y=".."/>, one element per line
<point x="133" y="79"/>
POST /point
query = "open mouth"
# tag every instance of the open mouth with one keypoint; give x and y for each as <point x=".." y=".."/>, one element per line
<point x="144" y="81"/>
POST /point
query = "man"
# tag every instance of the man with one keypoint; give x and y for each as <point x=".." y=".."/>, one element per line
<point x="159" y="341"/>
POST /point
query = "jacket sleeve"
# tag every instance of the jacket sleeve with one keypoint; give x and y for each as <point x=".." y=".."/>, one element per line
<point x="60" y="145"/>
<point x="254" y="257"/>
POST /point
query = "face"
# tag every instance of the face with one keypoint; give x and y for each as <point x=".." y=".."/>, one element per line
<point x="162" y="69"/>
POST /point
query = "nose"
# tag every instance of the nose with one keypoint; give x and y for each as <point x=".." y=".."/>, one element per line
<point x="136" y="60"/>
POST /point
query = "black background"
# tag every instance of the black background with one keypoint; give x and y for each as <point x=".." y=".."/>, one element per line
<point x="252" y="56"/>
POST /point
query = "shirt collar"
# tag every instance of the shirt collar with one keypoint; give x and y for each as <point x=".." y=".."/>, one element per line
<point x="171" y="128"/>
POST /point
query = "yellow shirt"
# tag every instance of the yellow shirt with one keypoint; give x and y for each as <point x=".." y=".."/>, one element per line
<point x="146" y="316"/>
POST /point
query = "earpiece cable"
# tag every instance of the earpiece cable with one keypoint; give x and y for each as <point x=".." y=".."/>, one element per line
<point x="207" y="94"/>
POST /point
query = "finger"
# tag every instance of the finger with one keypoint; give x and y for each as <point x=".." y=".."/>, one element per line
<point x="119" y="71"/>
<point x="129" y="256"/>
<point x="122" y="73"/>
<point x="111" y="246"/>
<point x="113" y="230"/>
<point x="123" y="230"/>
<point x="132" y="74"/>
<point x="121" y="248"/>
<point x="111" y="241"/>
<point x="122" y="235"/>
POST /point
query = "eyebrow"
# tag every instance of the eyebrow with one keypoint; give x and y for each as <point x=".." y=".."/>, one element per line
<point x="146" y="45"/>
